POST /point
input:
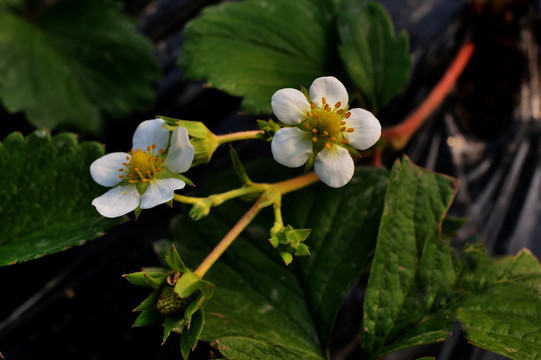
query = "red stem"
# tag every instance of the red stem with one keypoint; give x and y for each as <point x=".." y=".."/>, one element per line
<point x="400" y="134"/>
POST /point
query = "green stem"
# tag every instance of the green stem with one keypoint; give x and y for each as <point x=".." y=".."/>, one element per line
<point x="229" y="238"/>
<point x="242" y="135"/>
<point x="187" y="199"/>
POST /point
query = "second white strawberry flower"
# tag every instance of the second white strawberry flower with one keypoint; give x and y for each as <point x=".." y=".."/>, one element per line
<point x="321" y="124"/>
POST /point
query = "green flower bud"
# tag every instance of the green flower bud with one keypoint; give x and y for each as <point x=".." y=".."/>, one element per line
<point x="200" y="209"/>
<point x="202" y="139"/>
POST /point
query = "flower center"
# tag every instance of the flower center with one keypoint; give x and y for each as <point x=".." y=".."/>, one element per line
<point x="142" y="165"/>
<point x="327" y="124"/>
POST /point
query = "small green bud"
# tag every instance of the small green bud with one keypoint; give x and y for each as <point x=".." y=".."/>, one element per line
<point x="287" y="257"/>
<point x="200" y="209"/>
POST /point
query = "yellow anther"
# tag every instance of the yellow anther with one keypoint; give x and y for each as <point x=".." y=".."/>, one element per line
<point x="312" y="105"/>
<point x="120" y="169"/>
<point x="135" y="169"/>
<point x="306" y="125"/>
<point x="148" y="148"/>
<point x="121" y="176"/>
<point x="343" y="128"/>
<point x="154" y="145"/>
<point x="314" y="139"/>
<point x="308" y="114"/>
<point x="348" y="114"/>
<point x="325" y="133"/>
<point x="161" y="151"/>
<point x="314" y="130"/>
<point x="340" y="112"/>
<point x="328" y="146"/>
<point x="342" y="122"/>
<point x="350" y="130"/>
<point x="327" y="107"/>
<point x="344" y="141"/>
<point x="133" y="152"/>
<point x="333" y="138"/>
<point x="138" y="150"/>
<point x="144" y="180"/>
<point x="337" y="105"/>
<point x="323" y="100"/>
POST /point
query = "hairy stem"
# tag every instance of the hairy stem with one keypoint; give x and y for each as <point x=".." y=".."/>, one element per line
<point x="229" y="238"/>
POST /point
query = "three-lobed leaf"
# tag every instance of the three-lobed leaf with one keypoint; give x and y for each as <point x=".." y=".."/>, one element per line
<point x="73" y="62"/>
<point x="46" y="195"/>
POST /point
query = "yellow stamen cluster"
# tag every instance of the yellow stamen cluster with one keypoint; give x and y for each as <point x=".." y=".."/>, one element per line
<point x="142" y="166"/>
<point x="328" y="123"/>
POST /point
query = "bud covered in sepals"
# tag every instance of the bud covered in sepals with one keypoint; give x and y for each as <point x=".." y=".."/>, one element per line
<point x="176" y="300"/>
<point x="202" y="139"/>
<point x="289" y="241"/>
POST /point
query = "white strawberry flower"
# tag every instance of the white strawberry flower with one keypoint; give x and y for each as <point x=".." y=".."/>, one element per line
<point x="148" y="175"/>
<point x="322" y="125"/>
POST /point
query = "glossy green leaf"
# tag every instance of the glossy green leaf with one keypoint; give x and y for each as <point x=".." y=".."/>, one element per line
<point x="46" y="195"/>
<point x="72" y="62"/>
<point x="376" y="59"/>
<point x="504" y="316"/>
<point x="260" y="307"/>
<point x="255" y="47"/>
<point x="413" y="273"/>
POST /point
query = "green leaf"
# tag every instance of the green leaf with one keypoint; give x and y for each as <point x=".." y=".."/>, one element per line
<point x="253" y="48"/>
<point x="190" y="336"/>
<point x="46" y="195"/>
<point x="376" y="59"/>
<point x="73" y="62"/>
<point x="262" y="306"/>
<point x="504" y="316"/>
<point x="413" y="273"/>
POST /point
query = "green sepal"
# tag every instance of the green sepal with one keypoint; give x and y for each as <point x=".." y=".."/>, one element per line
<point x="142" y="278"/>
<point x="202" y="139"/>
<point x="302" y="250"/>
<point x="192" y="308"/>
<point x="206" y="288"/>
<point x="149" y="303"/>
<point x="269" y="128"/>
<point x="187" y="284"/>
<point x="287" y="257"/>
<point x="310" y="162"/>
<point x="238" y="167"/>
<point x="137" y="212"/>
<point x="165" y="173"/>
<point x="172" y="258"/>
<point x="171" y="322"/>
<point x="154" y="280"/>
<point x="306" y="94"/>
<point x="147" y="317"/>
<point x="190" y="336"/>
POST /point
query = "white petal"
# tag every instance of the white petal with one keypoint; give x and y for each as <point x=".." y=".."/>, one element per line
<point x="290" y="106"/>
<point x="334" y="166"/>
<point x="331" y="89"/>
<point x="151" y="132"/>
<point x="291" y="146"/>
<point x="366" y="129"/>
<point x="118" y="201"/>
<point x="160" y="191"/>
<point x="181" y="152"/>
<point x="104" y="170"/>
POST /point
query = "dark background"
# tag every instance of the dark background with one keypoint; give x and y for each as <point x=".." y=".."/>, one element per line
<point x="76" y="305"/>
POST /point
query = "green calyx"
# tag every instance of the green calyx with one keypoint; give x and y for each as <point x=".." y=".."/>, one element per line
<point x="290" y="242"/>
<point x="201" y="138"/>
<point x="176" y="301"/>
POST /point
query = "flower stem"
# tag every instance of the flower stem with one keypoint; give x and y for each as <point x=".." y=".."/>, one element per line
<point x="241" y="135"/>
<point x="297" y="183"/>
<point x="187" y="199"/>
<point x="399" y="135"/>
<point x="229" y="238"/>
